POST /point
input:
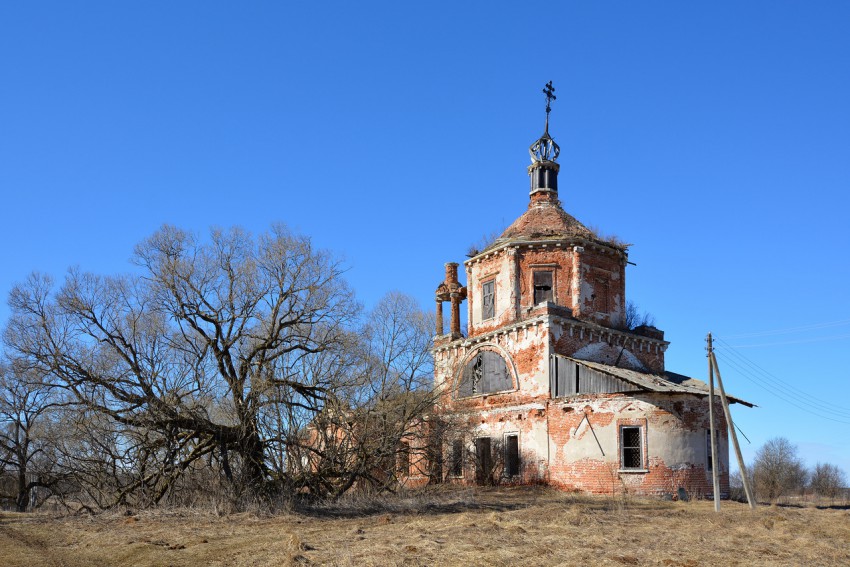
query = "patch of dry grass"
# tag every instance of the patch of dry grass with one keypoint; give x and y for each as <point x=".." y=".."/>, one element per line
<point x="500" y="526"/>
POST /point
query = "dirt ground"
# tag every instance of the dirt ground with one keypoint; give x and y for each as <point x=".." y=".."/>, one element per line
<point x="500" y="526"/>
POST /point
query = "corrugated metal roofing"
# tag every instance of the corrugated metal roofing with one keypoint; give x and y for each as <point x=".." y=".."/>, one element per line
<point x="670" y="382"/>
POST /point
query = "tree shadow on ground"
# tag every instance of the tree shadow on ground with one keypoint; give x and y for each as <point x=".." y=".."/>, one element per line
<point x="428" y="502"/>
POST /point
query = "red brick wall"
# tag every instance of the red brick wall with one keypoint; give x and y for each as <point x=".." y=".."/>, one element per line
<point x="594" y="267"/>
<point x="605" y="274"/>
<point x="558" y="260"/>
<point x="667" y="421"/>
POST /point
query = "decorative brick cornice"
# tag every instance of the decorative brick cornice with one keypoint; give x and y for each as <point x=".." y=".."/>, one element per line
<point x="594" y="332"/>
<point x="543" y="243"/>
<point x="607" y="334"/>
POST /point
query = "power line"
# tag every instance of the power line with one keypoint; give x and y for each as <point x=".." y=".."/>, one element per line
<point x="811" y="327"/>
<point x="776" y="381"/>
<point x="815" y="407"/>
<point x="803" y="405"/>
<point x="808" y="408"/>
<point x="800" y="341"/>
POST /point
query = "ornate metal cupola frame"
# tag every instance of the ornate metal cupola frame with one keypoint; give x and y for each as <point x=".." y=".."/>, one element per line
<point x="543" y="169"/>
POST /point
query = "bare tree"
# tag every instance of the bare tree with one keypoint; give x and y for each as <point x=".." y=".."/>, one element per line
<point x="635" y="318"/>
<point x="374" y="429"/>
<point x="28" y="412"/>
<point x="183" y="362"/>
<point x="778" y="470"/>
<point x="827" y="480"/>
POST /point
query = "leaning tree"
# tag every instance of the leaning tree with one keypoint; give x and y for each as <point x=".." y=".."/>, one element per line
<point x="186" y="358"/>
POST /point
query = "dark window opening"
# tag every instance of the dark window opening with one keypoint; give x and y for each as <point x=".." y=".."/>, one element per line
<point x="488" y="299"/>
<point x="512" y="455"/>
<point x="403" y="459"/>
<point x="543" y="287"/>
<point x="708" y="459"/>
<point x="435" y="459"/>
<point x="457" y="458"/>
<point x="578" y="389"/>
<point x="632" y="447"/>
<point x="483" y="461"/>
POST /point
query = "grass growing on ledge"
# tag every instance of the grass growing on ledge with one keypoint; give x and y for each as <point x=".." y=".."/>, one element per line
<point x="611" y="239"/>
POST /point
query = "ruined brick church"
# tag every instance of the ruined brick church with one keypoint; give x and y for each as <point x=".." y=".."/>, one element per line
<point x="550" y="384"/>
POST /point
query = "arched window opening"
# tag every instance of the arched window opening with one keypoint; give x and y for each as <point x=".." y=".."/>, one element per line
<point x="486" y="372"/>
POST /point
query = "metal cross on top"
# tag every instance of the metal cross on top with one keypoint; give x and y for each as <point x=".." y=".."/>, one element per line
<point x="549" y="91"/>
<point x="545" y="148"/>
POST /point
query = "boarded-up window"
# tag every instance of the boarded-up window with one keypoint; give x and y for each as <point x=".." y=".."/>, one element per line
<point x="543" y="287"/>
<point x="488" y="299"/>
<point x="631" y="445"/>
<point x="512" y="455"/>
<point x="484" y="373"/>
<point x="456" y="468"/>
<point x="600" y="296"/>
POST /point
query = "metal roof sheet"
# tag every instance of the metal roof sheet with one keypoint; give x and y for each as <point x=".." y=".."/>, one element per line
<point x="670" y="382"/>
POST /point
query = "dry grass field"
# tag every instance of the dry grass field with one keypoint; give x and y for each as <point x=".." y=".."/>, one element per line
<point x="500" y="526"/>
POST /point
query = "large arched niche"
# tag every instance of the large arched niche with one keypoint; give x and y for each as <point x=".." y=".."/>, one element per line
<point x="486" y="370"/>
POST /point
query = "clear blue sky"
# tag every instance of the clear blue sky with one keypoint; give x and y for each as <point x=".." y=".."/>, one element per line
<point x="715" y="136"/>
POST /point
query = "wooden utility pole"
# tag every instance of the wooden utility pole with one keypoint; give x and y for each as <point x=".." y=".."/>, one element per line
<point x="715" y="470"/>
<point x="741" y="466"/>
